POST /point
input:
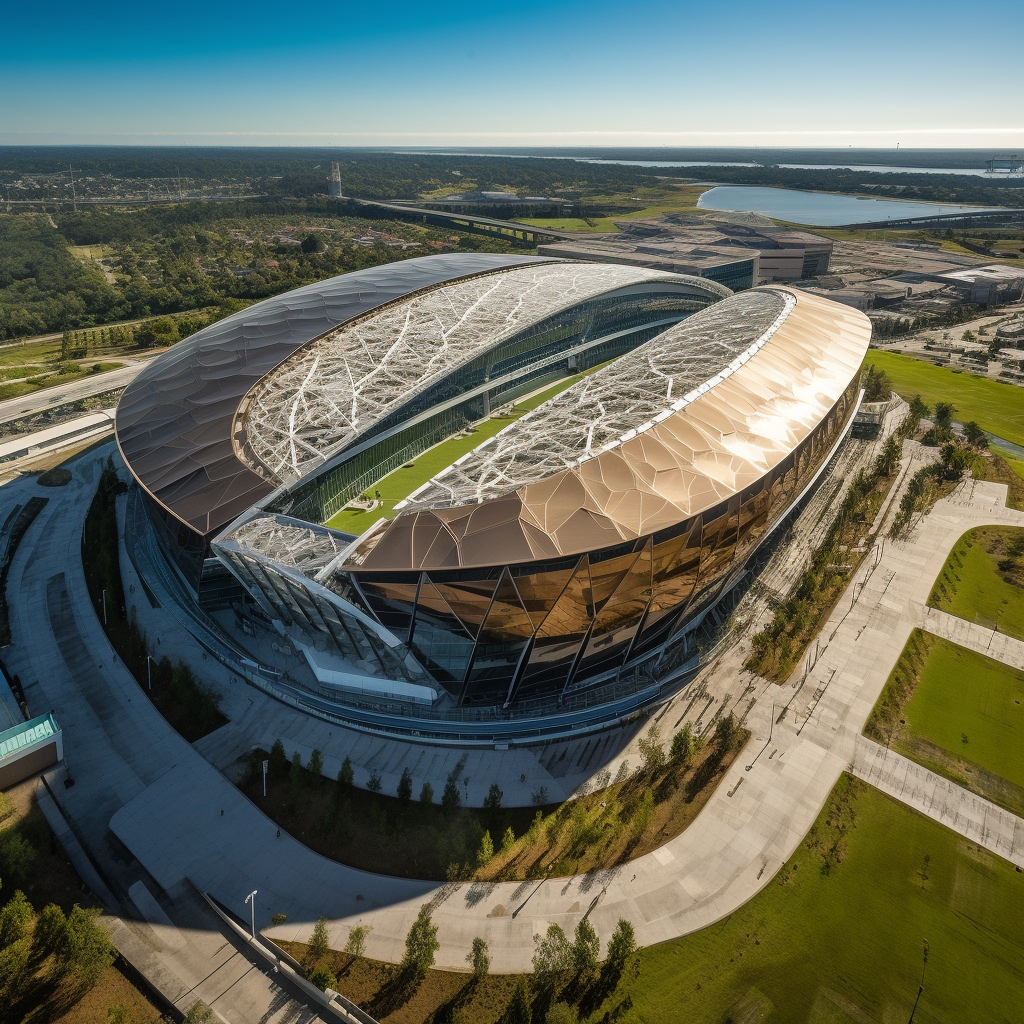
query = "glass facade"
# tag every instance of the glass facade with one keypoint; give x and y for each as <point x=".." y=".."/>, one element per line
<point x="518" y="633"/>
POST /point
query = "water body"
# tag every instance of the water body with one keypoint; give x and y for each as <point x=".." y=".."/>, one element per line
<point x="873" y="168"/>
<point x="819" y="209"/>
<point x="979" y="172"/>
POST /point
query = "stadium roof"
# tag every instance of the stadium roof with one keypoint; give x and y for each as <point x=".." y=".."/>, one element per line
<point x="330" y="392"/>
<point x="669" y="430"/>
<point x="174" y="421"/>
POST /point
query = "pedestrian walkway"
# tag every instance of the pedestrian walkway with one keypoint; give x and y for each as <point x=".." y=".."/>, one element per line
<point x="989" y="642"/>
<point x="943" y="801"/>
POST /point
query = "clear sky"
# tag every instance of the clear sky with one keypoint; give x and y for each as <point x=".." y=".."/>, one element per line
<point x="788" y="72"/>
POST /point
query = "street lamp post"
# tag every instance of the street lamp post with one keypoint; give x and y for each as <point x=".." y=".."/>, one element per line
<point x="251" y="900"/>
<point x="266" y="765"/>
<point x="104" y="607"/>
<point x="149" y="671"/>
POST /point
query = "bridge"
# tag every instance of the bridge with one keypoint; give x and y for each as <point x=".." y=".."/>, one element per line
<point x="991" y="218"/>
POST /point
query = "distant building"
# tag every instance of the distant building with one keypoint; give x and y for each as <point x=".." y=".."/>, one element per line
<point x="736" y="270"/>
<point x="987" y="285"/>
<point x="334" y="187"/>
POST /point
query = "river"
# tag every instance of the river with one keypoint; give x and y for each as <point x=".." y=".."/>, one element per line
<point x="819" y="209"/>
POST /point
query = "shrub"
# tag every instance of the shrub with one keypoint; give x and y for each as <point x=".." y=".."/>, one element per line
<point x="508" y="840"/>
<point x="278" y="919"/>
<point x="561" y="1013"/>
<point x="199" y="1013"/>
<point x="16" y="856"/>
<point x="323" y="979"/>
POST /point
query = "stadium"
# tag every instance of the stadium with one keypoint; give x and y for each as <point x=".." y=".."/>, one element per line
<point x="559" y="576"/>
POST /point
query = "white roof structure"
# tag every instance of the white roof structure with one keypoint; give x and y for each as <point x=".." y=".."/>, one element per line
<point x="324" y="396"/>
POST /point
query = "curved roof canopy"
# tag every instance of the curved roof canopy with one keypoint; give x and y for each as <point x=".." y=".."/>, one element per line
<point x="174" y="421"/>
<point x="330" y="392"/>
<point x="673" y="428"/>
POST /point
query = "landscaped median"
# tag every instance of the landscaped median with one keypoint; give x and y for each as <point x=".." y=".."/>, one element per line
<point x="957" y="713"/>
<point x="430" y="835"/>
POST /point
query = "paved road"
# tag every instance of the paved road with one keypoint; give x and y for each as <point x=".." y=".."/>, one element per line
<point x="989" y="642"/>
<point x="50" y="398"/>
<point x="116" y="746"/>
<point x="178" y="817"/>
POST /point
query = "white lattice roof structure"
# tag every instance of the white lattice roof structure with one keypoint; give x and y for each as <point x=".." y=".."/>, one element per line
<point x="324" y="396"/>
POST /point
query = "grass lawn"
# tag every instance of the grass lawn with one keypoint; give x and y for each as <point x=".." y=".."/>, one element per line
<point x="937" y="694"/>
<point x="972" y="586"/>
<point x="836" y="937"/>
<point x="680" y="200"/>
<point x="403" y="481"/>
<point x="962" y="693"/>
<point x="997" y="408"/>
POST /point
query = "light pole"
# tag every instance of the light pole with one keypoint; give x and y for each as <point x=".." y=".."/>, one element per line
<point x="149" y="671"/>
<point x="104" y="607"/>
<point x="266" y="765"/>
<point x="251" y="900"/>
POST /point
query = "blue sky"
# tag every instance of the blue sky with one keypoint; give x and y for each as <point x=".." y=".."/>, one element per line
<point x="559" y="73"/>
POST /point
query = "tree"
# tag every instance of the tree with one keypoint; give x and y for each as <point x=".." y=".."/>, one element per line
<point x="345" y="776"/>
<point x="967" y="336"/>
<point x="508" y="840"/>
<point x="622" y="945"/>
<point x="405" y="786"/>
<point x="374" y="784"/>
<point x="918" y="409"/>
<point x="50" y="930"/>
<point x="356" y="942"/>
<point x="975" y="435"/>
<point x="889" y="457"/>
<point x="427" y="794"/>
<point x="552" y="954"/>
<point x="312" y="243"/>
<point x="13" y="964"/>
<point x="478" y="959"/>
<point x="682" y="746"/>
<point x="316" y="765"/>
<point x="519" y="1010"/>
<point x="562" y="1013"/>
<point x="319" y="944"/>
<point x="652" y="754"/>
<point x="421" y="944"/>
<point x="86" y="950"/>
<point x="725" y="731"/>
<point x="944" y="414"/>
<point x="295" y="771"/>
<point x="486" y="851"/>
<point x="586" y="948"/>
<point x="954" y="460"/>
<point x="492" y="802"/>
<point x="15" y="920"/>
<point x="450" y="798"/>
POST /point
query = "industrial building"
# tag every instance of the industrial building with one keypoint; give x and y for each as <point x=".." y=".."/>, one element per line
<point x="553" y="578"/>
<point x="738" y="256"/>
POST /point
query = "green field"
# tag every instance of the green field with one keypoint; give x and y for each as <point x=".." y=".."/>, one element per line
<point x="402" y="482"/>
<point x="962" y="693"/>
<point x="997" y="408"/>
<point x="971" y="587"/>
<point x="844" y="943"/>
